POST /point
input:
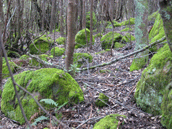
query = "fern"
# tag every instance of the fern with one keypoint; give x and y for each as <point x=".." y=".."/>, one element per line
<point x="49" y="101"/>
<point x="39" y="119"/>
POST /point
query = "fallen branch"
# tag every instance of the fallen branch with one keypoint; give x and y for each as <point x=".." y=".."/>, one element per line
<point x="123" y="57"/>
<point x="44" y="62"/>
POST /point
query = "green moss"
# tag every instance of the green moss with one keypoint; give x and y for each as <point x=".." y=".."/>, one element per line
<point x="58" y="51"/>
<point x="166" y="107"/>
<point x="153" y="16"/>
<point x="130" y="21"/>
<point x="98" y="35"/>
<point x="119" y="45"/>
<point x="5" y="71"/>
<point x="80" y="38"/>
<point x="42" y="44"/>
<point x="88" y="20"/>
<point x="154" y="79"/>
<point x="127" y="36"/>
<point x="24" y="57"/>
<point x="79" y="58"/>
<point x="105" y="71"/>
<point x="13" y="54"/>
<point x="34" y="62"/>
<point x="61" y="40"/>
<point x="104" y="98"/>
<point x="126" y="29"/>
<point x="139" y="63"/>
<point x="157" y="31"/>
<point x="107" y="39"/>
<point x="44" y="83"/>
<point x="108" y="122"/>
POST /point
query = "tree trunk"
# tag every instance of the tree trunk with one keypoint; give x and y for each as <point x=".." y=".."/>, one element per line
<point x="91" y="24"/>
<point x="166" y="14"/>
<point x="141" y="34"/>
<point x="53" y="11"/>
<point x="43" y="14"/>
<point x="61" y="18"/>
<point x="84" y="16"/>
<point x="1" y="8"/>
<point x="71" y="30"/>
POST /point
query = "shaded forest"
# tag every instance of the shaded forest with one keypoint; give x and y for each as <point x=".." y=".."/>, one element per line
<point x="86" y="64"/>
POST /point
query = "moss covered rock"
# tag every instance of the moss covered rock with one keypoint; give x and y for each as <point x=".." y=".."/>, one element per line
<point x="126" y="29"/>
<point x="40" y="45"/>
<point x="107" y="39"/>
<point x="130" y="21"/>
<point x="153" y="92"/>
<point x="102" y="97"/>
<point x="127" y="37"/>
<point x="157" y="31"/>
<point x="119" y="45"/>
<point x="48" y="83"/>
<point x="58" y="51"/>
<point x="80" y="58"/>
<point x="80" y="38"/>
<point x="88" y="20"/>
<point x="61" y="40"/>
<point x="5" y="71"/>
<point x="108" y="122"/>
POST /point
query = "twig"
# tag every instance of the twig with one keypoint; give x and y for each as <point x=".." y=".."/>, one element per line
<point x="123" y="57"/>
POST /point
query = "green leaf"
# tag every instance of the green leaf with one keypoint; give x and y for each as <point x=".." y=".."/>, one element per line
<point x="49" y="101"/>
<point x="39" y="119"/>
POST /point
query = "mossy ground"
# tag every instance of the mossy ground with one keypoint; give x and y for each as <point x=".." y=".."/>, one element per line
<point x="42" y="44"/>
<point x="44" y="83"/>
<point x="61" y="40"/>
<point x="108" y="122"/>
<point x="81" y="56"/>
<point x="58" y="51"/>
<point x="153" y="93"/>
<point x="80" y="38"/>
<point x="104" y="98"/>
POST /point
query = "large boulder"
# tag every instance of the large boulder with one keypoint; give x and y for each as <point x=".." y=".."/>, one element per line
<point x="80" y="38"/>
<point x="40" y="45"/>
<point x="108" y="122"/>
<point x="154" y="89"/>
<point x="48" y="83"/>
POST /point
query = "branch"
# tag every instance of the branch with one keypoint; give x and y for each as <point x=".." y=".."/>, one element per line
<point x="123" y="57"/>
<point x="44" y="62"/>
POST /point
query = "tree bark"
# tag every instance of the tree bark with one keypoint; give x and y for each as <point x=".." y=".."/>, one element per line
<point x="166" y="14"/>
<point x="61" y="18"/>
<point x="71" y="30"/>
<point x="53" y="10"/>
<point x="91" y="24"/>
<point x="84" y="16"/>
<point x="1" y="8"/>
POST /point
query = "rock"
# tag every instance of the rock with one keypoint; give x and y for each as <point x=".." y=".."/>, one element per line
<point x="153" y="92"/>
<point x="61" y="40"/>
<point x="80" y="38"/>
<point x="104" y="98"/>
<point x="79" y="58"/>
<point x="58" y="51"/>
<point x="108" y="122"/>
<point x="42" y="45"/>
<point x="47" y="83"/>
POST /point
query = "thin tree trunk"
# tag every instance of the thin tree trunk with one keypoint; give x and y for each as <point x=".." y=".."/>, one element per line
<point x="61" y="18"/>
<point x="91" y="24"/>
<point x="1" y="8"/>
<point x="84" y="16"/>
<point x="53" y="10"/>
<point x="71" y="30"/>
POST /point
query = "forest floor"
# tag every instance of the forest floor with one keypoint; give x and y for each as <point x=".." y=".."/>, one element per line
<point x="116" y="82"/>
